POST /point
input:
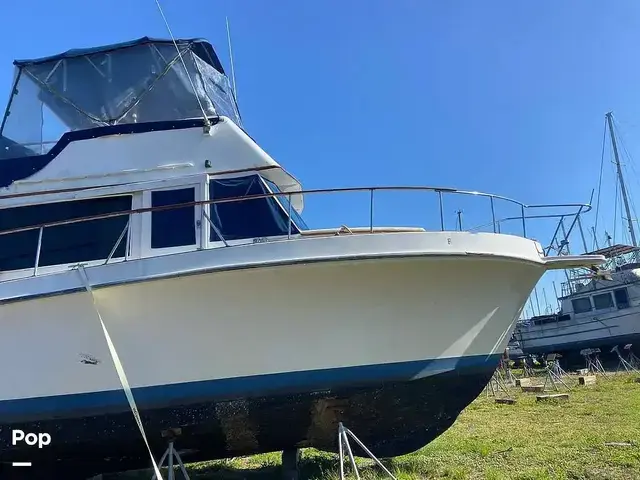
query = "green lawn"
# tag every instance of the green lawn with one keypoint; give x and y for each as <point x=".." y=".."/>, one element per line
<point x="526" y="441"/>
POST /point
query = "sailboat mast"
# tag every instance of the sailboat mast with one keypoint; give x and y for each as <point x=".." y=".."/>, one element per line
<point x="623" y="189"/>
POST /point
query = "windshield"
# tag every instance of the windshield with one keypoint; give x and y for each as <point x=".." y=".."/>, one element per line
<point x="284" y="201"/>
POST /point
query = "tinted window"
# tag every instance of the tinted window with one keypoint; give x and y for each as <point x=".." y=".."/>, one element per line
<point x="260" y="217"/>
<point x="602" y="301"/>
<point x="62" y="244"/>
<point x="622" y="298"/>
<point x="544" y="320"/>
<point x="581" y="305"/>
<point x="173" y="227"/>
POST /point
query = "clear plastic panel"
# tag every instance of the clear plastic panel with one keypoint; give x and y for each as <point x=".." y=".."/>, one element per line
<point x="31" y="128"/>
<point x="143" y="83"/>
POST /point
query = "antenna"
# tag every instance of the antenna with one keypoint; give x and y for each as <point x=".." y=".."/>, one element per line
<point x="233" y="72"/>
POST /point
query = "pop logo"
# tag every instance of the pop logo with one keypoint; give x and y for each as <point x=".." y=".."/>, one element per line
<point x="31" y="439"/>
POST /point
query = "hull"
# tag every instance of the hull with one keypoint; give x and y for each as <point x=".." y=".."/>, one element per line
<point x="256" y="360"/>
<point x="604" y="332"/>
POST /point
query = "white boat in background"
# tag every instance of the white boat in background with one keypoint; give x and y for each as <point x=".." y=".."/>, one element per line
<point x="234" y="322"/>
<point x="600" y="309"/>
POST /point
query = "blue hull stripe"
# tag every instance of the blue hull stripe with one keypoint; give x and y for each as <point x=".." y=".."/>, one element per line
<point x="74" y="405"/>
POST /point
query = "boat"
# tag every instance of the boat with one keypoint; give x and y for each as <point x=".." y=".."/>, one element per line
<point x="154" y="260"/>
<point x="599" y="308"/>
<point x="599" y="311"/>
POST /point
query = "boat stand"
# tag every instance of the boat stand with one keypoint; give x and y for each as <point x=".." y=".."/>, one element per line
<point x="496" y="384"/>
<point x="527" y="370"/>
<point x="169" y="455"/>
<point x="592" y="359"/>
<point x="554" y="372"/>
<point x="633" y="360"/>
<point x="343" y="443"/>
<point x="507" y="374"/>
<point x="623" y="363"/>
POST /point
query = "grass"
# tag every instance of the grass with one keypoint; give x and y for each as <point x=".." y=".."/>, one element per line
<point x="525" y="441"/>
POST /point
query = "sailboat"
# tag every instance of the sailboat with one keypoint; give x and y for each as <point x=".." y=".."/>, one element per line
<point x="600" y="307"/>
<point x="154" y="259"/>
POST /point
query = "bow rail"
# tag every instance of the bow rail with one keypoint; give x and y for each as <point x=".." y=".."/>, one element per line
<point x="526" y="213"/>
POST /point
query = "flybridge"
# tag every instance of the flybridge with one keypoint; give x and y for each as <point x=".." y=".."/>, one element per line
<point x="145" y="80"/>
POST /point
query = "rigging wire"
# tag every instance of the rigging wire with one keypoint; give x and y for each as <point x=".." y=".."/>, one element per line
<point x="627" y="166"/>
<point x="233" y="71"/>
<point x="184" y="65"/>
<point x="615" y="211"/>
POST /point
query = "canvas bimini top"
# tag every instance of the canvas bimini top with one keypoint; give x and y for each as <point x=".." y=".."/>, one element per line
<point x="140" y="81"/>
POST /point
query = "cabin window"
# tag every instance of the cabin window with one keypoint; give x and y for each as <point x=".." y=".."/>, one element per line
<point x="175" y="227"/>
<point x="622" y="298"/>
<point x="581" y="305"/>
<point x="544" y="320"/>
<point x="242" y="219"/>
<point x="284" y="201"/>
<point x="63" y="244"/>
<point x="603" y="301"/>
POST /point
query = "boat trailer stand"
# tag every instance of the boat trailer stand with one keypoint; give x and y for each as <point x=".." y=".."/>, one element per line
<point x="290" y="464"/>
<point x="343" y="444"/>
<point x="169" y="454"/>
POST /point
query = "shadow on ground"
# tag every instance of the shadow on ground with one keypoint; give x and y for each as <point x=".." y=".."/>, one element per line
<point x="311" y="468"/>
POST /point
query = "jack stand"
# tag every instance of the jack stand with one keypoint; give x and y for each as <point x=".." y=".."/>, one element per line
<point x="554" y="372"/>
<point x="343" y="442"/>
<point x="290" y="467"/>
<point x="622" y="362"/>
<point x="527" y="371"/>
<point x="632" y="359"/>
<point x="496" y="384"/>
<point x="593" y="363"/>
<point x="507" y="374"/>
<point x="169" y="454"/>
<point x="553" y="377"/>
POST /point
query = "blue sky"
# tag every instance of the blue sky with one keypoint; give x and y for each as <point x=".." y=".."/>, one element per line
<point x="505" y="97"/>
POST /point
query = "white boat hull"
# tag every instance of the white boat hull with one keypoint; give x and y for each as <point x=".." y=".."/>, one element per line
<point x="608" y="329"/>
<point x="418" y="327"/>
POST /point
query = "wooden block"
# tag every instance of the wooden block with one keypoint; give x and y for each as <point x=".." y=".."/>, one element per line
<point x="555" y="396"/>
<point x="506" y="401"/>
<point x="533" y="388"/>
<point x="523" y="382"/>
<point x="587" y="380"/>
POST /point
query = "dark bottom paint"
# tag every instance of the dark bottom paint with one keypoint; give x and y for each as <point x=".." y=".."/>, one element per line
<point x="390" y="417"/>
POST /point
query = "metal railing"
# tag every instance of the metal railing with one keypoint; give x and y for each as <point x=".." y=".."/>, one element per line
<point x="577" y="210"/>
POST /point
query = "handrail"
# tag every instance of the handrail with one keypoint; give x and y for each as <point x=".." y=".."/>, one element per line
<point x="439" y="190"/>
<point x="581" y="208"/>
